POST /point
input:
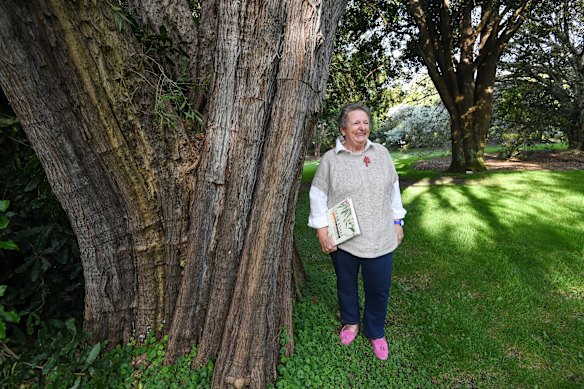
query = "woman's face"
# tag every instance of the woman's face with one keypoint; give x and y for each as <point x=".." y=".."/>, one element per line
<point x="356" y="131"/>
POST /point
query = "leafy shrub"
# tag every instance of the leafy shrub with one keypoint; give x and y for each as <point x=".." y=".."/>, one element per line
<point x="57" y="356"/>
<point x="67" y="360"/>
<point x="416" y="126"/>
<point x="4" y="221"/>
<point x="44" y="276"/>
<point x="41" y="269"/>
<point x="5" y="316"/>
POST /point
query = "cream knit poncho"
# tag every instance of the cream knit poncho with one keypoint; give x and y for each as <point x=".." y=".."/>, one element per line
<point x="367" y="178"/>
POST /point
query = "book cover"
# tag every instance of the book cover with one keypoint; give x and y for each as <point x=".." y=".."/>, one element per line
<point x="342" y="221"/>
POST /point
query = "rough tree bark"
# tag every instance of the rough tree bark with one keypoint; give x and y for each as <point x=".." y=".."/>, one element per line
<point x="178" y="223"/>
<point x="461" y="56"/>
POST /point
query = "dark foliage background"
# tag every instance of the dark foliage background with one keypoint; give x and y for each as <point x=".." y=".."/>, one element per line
<point x="44" y="277"/>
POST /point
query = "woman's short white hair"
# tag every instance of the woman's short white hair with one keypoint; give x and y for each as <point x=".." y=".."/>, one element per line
<point x="350" y="108"/>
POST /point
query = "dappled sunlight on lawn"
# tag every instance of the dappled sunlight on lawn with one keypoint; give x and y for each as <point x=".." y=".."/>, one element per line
<point x="514" y="242"/>
<point x="488" y="285"/>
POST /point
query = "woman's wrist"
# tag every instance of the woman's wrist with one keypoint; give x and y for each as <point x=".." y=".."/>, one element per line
<point x="322" y="232"/>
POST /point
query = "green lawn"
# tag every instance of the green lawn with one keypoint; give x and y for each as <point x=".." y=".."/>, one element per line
<point x="488" y="290"/>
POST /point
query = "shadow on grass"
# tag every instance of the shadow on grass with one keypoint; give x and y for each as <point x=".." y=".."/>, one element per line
<point x="496" y="266"/>
<point x="488" y="288"/>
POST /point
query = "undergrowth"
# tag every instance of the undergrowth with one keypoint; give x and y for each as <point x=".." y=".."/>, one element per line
<point x="68" y="361"/>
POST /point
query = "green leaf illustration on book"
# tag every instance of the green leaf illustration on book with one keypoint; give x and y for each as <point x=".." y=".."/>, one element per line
<point x="342" y="221"/>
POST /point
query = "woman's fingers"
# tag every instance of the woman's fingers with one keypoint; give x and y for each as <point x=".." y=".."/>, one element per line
<point x="326" y="243"/>
<point x="399" y="232"/>
<point x="328" y="246"/>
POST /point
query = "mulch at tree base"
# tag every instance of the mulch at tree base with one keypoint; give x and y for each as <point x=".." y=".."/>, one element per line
<point x="537" y="160"/>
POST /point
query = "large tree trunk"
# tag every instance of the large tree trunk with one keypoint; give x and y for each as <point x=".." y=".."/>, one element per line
<point x="111" y="166"/>
<point x="178" y="223"/>
<point x="470" y="115"/>
<point x="469" y="124"/>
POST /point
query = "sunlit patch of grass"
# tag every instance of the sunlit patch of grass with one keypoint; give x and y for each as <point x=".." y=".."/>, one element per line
<point x="499" y="252"/>
<point x="309" y="170"/>
<point x="534" y="147"/>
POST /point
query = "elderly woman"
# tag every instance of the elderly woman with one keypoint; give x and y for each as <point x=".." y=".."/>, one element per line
<point x="364" y="171"/>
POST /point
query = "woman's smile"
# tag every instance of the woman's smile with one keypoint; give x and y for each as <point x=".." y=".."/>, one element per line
<point x="356" y="131"/>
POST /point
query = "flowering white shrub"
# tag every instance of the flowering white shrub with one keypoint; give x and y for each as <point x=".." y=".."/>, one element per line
<point x="416" y="126"/>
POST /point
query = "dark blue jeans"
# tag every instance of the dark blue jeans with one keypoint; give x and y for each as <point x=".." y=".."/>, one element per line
<point x="376" y="273"/>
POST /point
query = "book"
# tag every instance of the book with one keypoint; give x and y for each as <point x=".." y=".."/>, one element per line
<point x="342" y="221"/>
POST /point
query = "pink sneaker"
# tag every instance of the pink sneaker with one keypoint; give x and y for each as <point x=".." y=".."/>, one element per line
<point x="347" y="336"/>
<point x="379" y="348"/>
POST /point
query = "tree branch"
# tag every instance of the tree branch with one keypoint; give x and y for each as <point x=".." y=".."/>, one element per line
<point x="429" y="49"/>
<point x="467" y="37"/>
<point x="487" y="11"/>
<point x="511" y="25"/>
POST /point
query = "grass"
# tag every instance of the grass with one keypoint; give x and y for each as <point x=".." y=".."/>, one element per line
<point x="556" y="146"/>
<point x="403" y="163"/>
<point x="488" y="290"/>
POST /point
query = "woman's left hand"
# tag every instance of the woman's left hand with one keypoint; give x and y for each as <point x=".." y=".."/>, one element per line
<point x="326" y="243"/>
<point x="399" y="232"/>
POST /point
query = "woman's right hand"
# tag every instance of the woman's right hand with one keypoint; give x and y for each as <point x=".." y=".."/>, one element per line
<point x="326" y="242"/>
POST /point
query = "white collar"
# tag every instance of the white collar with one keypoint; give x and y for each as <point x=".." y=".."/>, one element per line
<point x="340" y="145"/>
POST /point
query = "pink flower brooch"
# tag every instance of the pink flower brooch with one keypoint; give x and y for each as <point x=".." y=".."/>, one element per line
<point x="367" y="161"/>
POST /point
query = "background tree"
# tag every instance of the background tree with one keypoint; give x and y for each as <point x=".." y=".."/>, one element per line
<point x="362" y="68"/>
<point x="461" y="43"/>
<point x="416" y="126"/>
<point x="543" y="81"/>
<point x="173" y="138"/>
<point x="524" y="116"/>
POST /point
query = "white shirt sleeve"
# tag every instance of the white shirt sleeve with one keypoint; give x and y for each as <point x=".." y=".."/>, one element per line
<point x="397" y="206"/>
<point x="318" y="208"/>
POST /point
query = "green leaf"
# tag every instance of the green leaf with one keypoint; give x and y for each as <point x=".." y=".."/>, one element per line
<point x="70" y="325"/>
<point x="93" y="354"/>
<point x="32" y="321"/>
<point x="4" y="222"/>
<point x="51" y="363"/>
<point x="9" y="317"/>
<point x="77" y="383"/>
<point x="6" y="122"/>
<point x="4" y="205"/>
<point x="8" y="245"/>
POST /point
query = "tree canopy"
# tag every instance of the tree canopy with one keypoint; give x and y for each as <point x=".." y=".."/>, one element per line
<point x="460" y="44"/>
<point x="543" y="74"/>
